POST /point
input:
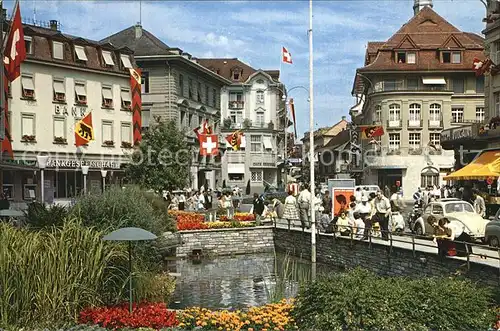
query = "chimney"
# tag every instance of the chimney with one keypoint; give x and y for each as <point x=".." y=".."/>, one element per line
<point x="54" y="25"/>
<point x="343" y="118"/>
<point x="138" y="31"/>
<point x="420" y="4"/>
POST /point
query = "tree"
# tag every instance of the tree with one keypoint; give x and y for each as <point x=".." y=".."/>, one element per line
<point x="247" y="191"/>
<point x="162" y="160"/>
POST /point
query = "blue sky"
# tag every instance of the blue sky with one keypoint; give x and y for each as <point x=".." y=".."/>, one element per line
<point x="254" y="32"/>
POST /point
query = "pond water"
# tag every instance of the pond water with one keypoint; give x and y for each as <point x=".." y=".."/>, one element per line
<point x="233" y="282"/>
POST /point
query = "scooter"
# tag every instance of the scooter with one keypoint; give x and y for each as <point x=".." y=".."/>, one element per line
<point x="415" y="213"/>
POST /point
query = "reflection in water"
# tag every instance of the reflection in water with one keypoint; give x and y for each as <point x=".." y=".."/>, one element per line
<point x="237" y="281"/>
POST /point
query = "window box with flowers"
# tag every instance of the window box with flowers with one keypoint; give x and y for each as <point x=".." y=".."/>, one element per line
<point x="81" y="102"/>
<point x="415" y="151"/>
<point x="126" y="144"/>
<point x="107" y="104"/>
<point x="108" y="143"/>
<point x="60" y="141"/>
<point x="394" y="152"/>
<point x="126" y="106"/>
<point x="28" y="139"/>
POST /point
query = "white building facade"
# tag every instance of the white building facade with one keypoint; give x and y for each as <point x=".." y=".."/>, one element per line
<point x="253" y="103"/>
<point x="63" y="79"/>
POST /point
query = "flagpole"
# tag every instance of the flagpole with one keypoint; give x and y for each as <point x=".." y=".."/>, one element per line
<point x="311" y="144"/>
<point x="2" y="95"/>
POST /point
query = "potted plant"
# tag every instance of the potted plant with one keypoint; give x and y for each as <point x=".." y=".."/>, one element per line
<point x="227" y="123"/>
<point x="60" y="141"/>
<point x="247" y="123"/>
<point x="108" y="143"/>
<point x="126" y="144"/>
<point x="28" y="138"/>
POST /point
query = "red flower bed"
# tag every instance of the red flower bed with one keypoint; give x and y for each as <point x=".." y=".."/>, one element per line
<point x="191" y="222"/>
<point x="144" y="315"/>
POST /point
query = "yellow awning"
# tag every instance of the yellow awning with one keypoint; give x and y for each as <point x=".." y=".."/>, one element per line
<point x="486" y="165"/>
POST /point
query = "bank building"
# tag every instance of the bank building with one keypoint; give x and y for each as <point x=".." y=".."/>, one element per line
<point x="63" y="78"/>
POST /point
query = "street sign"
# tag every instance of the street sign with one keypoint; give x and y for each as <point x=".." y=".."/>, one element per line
<point x="489" y="181"/>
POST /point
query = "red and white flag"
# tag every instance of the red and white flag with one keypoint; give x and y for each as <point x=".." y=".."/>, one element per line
<point x="481" y="67"/>
<point x="15" y="49"/>
<point x="286" y="56"/>
<point x="209" y="144"/>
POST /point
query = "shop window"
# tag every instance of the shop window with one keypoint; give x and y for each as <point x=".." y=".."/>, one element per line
<point x="256" y="176"/>
<point x="8" y="184"/>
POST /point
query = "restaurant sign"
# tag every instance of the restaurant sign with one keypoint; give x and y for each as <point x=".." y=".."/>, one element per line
<point x="78" y="163"/>
<point x="457" y="133"/>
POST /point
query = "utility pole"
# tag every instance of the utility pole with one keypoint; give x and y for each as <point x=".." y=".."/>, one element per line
<point x="311" y="144"/>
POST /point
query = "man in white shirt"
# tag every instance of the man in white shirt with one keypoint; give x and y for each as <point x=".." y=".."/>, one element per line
<point x="382" y="212"/>
<point x="304" y="201"/>
<point x="364" y="210"/>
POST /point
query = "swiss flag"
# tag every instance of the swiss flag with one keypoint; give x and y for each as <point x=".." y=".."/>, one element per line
<point x="15" y="49"/>
<point x="285" y="54"/>
<point x="209" y="144"/>
<point x="481" y="67"/>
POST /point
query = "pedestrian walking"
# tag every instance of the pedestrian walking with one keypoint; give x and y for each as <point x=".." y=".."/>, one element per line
<point x="382" y="212"/>
<point x="304" y="201"/>
<point x="479" y="205"/>
<point x="291" y="212"/>
<point x="257" y="208"/>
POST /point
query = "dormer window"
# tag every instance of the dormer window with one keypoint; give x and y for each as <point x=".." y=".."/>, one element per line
<point x="108" y="59"/>
<point x="80" y="53"/>
<point x="406" y="57"/>
<point x="126" y="61"/>
<point x="236" y="74"/>
<point x="451" y="57"/>
<point x="57" y="50"/>
<point x="28" y="44"/>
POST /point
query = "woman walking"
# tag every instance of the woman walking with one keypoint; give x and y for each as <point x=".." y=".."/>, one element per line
<point x="291" y="212"/>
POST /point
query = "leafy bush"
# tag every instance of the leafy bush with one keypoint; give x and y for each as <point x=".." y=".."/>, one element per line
<point x="361" y="300"/>
<point x="39" y="215"/>
<point x="117" y="208"/>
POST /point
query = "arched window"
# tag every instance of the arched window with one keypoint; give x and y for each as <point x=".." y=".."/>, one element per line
<point x="429" y="177"/>
<point x="414" y="112"/>
<point x="435" y="112"/>
<point x="394" y="112"/>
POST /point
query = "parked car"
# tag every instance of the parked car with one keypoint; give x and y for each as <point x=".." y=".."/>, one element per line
<point x="368" y="188"/>
<point x="492" y="233"/>
<point x="460" y="213"/>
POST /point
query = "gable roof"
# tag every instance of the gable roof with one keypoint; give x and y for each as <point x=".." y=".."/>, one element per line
<point x="224" y="67"/>
<point x="146" y="44"/>
<point x="428" y="32"/>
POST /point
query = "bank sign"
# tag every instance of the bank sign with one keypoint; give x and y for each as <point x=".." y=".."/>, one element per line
<point x="77" y="164"/>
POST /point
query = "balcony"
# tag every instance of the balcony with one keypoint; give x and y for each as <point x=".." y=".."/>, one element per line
<point x="436" y="123"/>
<point x="398" y="86"/>
<point x="262" y="160"/>
<point x="415" y="123"/>
<point x="236" y="105"/>
<point x="394" y="124"/>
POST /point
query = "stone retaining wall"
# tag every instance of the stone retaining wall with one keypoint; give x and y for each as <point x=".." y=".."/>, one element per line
<point x="344" y="253"/>
<point x="227" y="241"/>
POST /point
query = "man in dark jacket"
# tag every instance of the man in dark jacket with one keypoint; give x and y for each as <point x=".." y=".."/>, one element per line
<point x="258" y="207"/>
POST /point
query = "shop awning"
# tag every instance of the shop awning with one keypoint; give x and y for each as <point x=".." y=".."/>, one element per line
<point x="236" y="168"/>
<point x="485" y="165"/>
<point x="433" y="81"/>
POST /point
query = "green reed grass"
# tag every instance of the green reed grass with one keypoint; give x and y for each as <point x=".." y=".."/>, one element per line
<point x="47" y="277"/>
<point x="289" y="273"/>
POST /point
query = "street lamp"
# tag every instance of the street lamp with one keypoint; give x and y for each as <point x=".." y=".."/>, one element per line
<point x="42" y="161"/>
<point x="104" y="173"/>
<point x="85" y="171"/>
